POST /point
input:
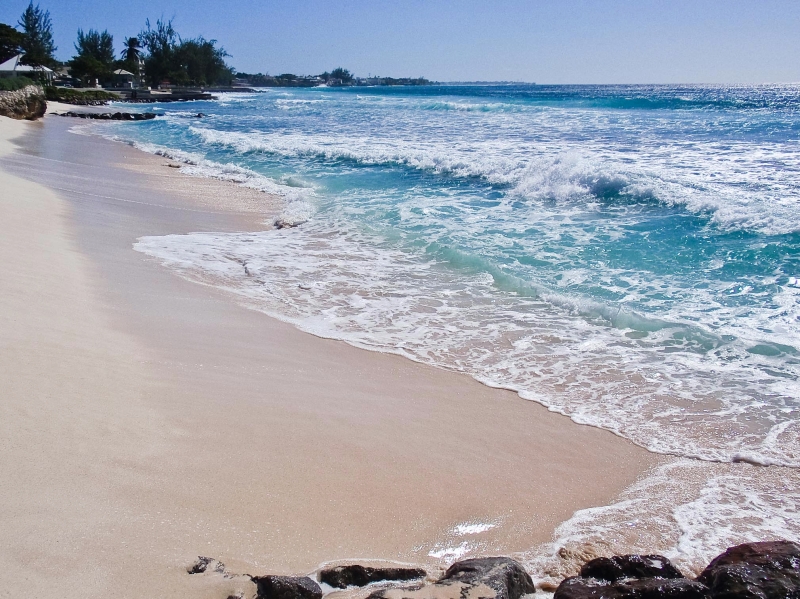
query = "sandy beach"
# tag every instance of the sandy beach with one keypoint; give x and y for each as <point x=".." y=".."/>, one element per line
<point x="146" y="420"/>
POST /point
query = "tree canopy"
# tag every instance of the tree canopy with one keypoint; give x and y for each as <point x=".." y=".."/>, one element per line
<point x="195" y="61"/>
<point x="37" y="37"/>
<point x="95" y="56"/>
<point x="343" y="74"/>
<point x="10" y="42"/>
<point x="337" y="76"/>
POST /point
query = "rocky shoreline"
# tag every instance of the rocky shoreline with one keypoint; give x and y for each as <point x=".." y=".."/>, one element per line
<point x="765" y="570"/>
<point x="109" y="116"/>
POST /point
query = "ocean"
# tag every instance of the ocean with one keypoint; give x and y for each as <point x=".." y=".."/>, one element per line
<point x="628" y="256"/>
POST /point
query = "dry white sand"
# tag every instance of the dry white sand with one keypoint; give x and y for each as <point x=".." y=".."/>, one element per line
<point x="145" y="420"/>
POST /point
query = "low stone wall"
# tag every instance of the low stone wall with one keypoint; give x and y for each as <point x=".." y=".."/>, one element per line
<point x="26" y="103"/>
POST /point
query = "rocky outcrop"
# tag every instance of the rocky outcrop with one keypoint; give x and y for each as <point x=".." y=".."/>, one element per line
<point x="357" y="575"/>
<point x="109" y="116"/>
<point x="286" y="587"/>
<point x="768" y="570"/>
<point x="27" y="103"/>
<point x="480" y="578"/>
<point x="630" y="577"/>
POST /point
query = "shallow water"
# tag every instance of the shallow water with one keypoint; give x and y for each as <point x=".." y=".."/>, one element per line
<point x="626" y="255"/>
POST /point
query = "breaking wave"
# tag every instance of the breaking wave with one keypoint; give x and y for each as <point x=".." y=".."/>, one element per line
<point x="746" y="200"/>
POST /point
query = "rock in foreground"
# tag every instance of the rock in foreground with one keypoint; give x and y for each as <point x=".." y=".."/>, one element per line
<point x="579" y="587"/>
<point x="357" y="575"/>
<point x="480" y="578"/>
<point x="286" y="587"/>
<point x="768" y="570"/>
<point x="614" y="568"/>
<point x="27" y="103"/>
<point x="630" y="577"/>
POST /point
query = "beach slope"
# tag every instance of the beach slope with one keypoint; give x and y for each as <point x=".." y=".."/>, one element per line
<point x="146" y="420"/>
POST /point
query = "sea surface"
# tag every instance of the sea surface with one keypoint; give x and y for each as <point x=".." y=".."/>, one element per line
<point x="626" y="255"/>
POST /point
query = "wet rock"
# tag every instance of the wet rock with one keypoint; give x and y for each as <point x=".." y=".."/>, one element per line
<point x="108" y="116"/>
<point x="479" y="578"/>
<point x="580" y="587"/>
<point x="630" y="566"/>
<point x="286" y="587"/>
<point x="288" y="222"/>
<point x="767" y="570"/>
<point x="505" y="576"/>
<point x="206" y="564"/>
<point x="357" y="575"/>
<point x="630" y="577"/>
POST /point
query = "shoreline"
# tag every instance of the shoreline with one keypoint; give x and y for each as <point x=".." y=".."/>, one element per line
<point x="337" y="451"/>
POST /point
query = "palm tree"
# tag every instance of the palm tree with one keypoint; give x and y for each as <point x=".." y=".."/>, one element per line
<point x="132" y="50"/>
<point x="131" y="54"/>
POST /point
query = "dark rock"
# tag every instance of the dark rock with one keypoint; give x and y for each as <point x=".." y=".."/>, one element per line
<point x="479" y="578"/>
<point x="508" y="579"/>
<point x="768" y="570"/>
<point x="287" y="222"/>
<point x="630" y="566"/>
<point x="357" y="575"/>
<point x="206" y="564"/>
<point x="630" y="577"/>
<point x="286" y="587"/>
<point x="580" y="587"/>
<point x="107" y="116"/>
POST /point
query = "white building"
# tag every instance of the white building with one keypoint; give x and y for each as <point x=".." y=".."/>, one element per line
<point x="13" y="67"/>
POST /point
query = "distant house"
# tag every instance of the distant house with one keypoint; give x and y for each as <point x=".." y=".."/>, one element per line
<point x="13" y="67"/>
<point x="123" y="78"/>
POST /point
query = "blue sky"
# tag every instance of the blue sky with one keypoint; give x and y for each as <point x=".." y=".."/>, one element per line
<point x="566" y="41"/>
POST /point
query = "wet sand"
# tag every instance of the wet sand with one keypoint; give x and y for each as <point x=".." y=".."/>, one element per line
<point x="147" y="420"/>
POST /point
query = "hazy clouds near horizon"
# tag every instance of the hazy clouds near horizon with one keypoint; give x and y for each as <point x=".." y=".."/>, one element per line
<point x="567" y="41"/>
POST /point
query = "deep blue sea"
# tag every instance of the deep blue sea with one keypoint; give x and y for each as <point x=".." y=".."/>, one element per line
<point x="626" y="255"/>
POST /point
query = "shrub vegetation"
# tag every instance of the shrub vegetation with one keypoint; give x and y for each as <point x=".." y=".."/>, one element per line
<point x="14" y="83"/>
<point x="74" y="96"/>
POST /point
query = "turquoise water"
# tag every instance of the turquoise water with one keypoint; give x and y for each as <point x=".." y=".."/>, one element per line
<point x="626" y="255"/>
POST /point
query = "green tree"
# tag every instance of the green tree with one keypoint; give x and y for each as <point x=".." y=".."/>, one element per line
<point x="37" y="37"/>
<point x="184" y="62"/>
<point x="95" y="58"/>
<point x="160" y="42"/>
<point x="10" y="42"/>
<point x="343" y="74"/>
<point x="131" y="54"/>
<point x="204" y="63"/>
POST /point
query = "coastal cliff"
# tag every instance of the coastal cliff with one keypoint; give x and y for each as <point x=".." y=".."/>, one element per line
<point x="27" y="103"/>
